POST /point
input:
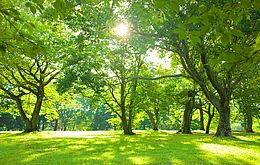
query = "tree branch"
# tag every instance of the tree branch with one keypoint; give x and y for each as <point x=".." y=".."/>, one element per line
<point x="51" y="78"/>
<point x="158" y="78"/>
<point x="112" y="108"/>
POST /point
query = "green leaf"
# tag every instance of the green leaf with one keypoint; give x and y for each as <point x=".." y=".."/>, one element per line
<point x="1" y="17"/>
<point x="257" y="44"/>
<point x="226" y="39"/>
<point x="202" y="8"/>
<point x="237" y="33"/>
<point x="160" y="4"/>
<point x="194" y="20"/>
<point x="33" y="9"/>
<point x="28" y="4"/>
<point x="194" y="39"/>
<point x="180" y="32"/>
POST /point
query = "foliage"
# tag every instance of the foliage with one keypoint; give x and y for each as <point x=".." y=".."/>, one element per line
<point x="207" y="37"/>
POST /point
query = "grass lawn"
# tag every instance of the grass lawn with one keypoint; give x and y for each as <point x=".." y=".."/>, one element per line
<point x="110" y="147"/>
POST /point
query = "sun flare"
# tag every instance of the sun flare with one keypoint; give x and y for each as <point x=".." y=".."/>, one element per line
<point x="122" y="29"/>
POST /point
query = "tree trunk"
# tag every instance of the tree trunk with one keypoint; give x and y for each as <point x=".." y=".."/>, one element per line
<point x="201" y="119"/>
<point x="28" y="123"/>
<point x="55" y="128"/>
<point x="156" y="114"/>
<point x="224" y="128"/>
<point x="187" y="115"/>
<point x="125" y="127"/>
<point x="186" y="121"/>
<point x="28" y="126"/>
<point x="210" y="116"/>
<point x="249" y="122"/>
<point x="150" y="115"/>
<point x="37" y="108"/>
<point x="34" y="122"/>
<point x="130" y="121"/>
<point x="43" y="124"/>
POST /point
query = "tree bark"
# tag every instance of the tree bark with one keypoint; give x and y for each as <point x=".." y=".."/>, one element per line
<point x="186" y="120"/>
<point x="28" y="123"/>
<point x="201" y="119"/>
<point x="43" y="124"/>
<point x="150" y="115"/>
<point x="55" y="128"/>
<point x="210" y="117"/>
<point x="224" y="128"/>
<point x="156" y="114"/>
<point x="248" y="122"/>
<point x="125" y="127"/>
<point x="130" y="121"/>
<point x="187" y="115"/>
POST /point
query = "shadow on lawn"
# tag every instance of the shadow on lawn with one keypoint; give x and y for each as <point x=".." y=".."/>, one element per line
<point x="152" y="148"/>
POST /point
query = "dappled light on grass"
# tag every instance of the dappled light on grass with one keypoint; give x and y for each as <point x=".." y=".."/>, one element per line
<point x="111" y="147"/>
<point x="228" y="150"/>
<point x="140" y="159"/>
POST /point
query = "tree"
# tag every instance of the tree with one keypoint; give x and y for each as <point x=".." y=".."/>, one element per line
<point x="155" y="97"/>
<point x="247" y="97"/>
<point x="207" y="37"/>
<point x="28" y="62"/>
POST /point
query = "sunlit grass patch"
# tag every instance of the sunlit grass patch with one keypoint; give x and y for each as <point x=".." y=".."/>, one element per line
<point x="111" y="147"/>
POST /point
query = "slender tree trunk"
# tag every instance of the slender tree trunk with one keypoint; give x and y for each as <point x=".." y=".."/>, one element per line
<point x="124" y="120"/>
<point x="249" y="122"/>
<point x="28" y="124"/>
<point x="43" y="124"/>
<point x="39" y="124"/>
<point x="156" y="114"/>
<point x="224" y="128"/>
<point x="210" y="117"/>
<point x="55" y="128"/>
<point x="201" y="119"/>
<point x="150" y="115"/>
<point x="130" y="121"/>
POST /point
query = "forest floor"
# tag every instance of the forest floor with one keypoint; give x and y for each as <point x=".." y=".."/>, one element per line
<point x="111" y="147"/>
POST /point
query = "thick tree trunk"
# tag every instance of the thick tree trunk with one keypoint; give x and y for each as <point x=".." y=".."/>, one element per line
<point x="186" y="121"/>
<point x="201" y="120"/>
<point x="34" y="122"/>
<point x="224" y="128"/>
<point x="125" y="127"/>
<point x="28" y="126"/>
<point x="249" y="122"/>
<point x="124" y="121"/>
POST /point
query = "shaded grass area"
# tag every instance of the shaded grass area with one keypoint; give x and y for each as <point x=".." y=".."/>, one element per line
<point x="110" y="147"/>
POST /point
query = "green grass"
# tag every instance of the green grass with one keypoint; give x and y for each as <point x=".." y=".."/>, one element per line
<point x="147" y="147"/>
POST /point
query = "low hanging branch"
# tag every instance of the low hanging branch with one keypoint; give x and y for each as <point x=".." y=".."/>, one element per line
<point x="160" y="77"/>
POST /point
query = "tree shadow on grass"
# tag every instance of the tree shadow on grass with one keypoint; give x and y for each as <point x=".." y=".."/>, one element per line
<point x="150" y="148"/>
